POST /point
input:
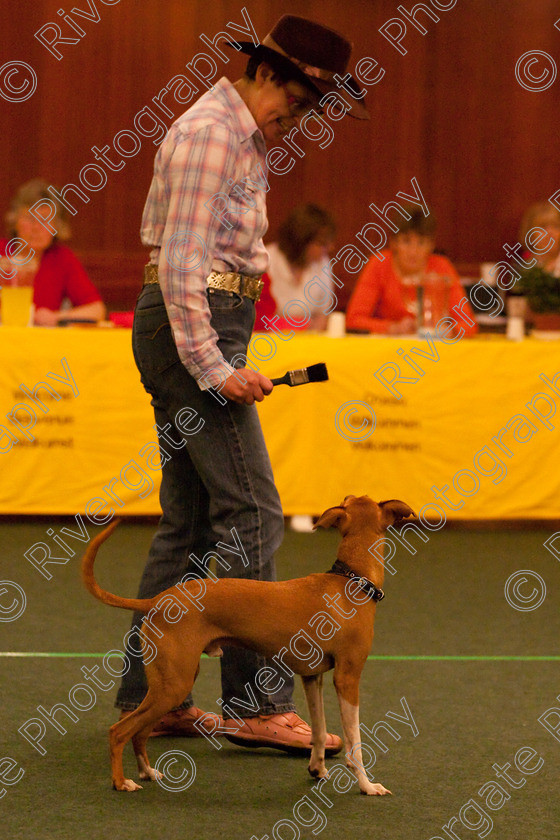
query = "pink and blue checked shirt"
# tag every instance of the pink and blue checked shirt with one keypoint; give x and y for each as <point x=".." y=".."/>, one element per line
<point x="212" y="153"/>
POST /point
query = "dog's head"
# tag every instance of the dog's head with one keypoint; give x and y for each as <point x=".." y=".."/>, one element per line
<point x="358" y="512"/>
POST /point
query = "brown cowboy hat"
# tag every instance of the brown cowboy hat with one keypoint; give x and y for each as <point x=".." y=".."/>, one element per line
<point x="311" y="54"/>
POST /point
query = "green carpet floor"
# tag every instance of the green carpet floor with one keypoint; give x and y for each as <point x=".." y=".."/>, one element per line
<point x="476" y="674"/>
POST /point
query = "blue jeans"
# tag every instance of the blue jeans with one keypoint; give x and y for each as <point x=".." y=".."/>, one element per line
<point x="217" y="479"/>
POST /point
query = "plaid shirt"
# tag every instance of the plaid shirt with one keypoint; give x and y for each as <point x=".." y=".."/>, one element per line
<point x="214" y="147"/>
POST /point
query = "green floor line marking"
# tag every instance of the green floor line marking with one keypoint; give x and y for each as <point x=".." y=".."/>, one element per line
<point x="497" y="658"/>
<point x="48" y="655"/>
<point x="381" y="658"/>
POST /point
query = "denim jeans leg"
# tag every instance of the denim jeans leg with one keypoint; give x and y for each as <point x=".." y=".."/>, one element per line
<point x="183" y="501"/>
<point x="217" y="488"/>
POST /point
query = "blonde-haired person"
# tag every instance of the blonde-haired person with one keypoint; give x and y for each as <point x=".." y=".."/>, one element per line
<point x="544" y="215"/>
<point x="55" y="271"/>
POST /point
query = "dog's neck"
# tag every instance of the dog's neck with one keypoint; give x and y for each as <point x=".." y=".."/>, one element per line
<point x="353" y="550"/>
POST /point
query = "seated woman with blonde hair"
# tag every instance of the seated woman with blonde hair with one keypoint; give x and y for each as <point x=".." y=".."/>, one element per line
<point x="51" y="267"/>
<point x="385" y="299"/>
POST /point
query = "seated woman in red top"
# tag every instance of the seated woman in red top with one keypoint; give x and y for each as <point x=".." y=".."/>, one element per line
<point x="386" y="294"/>
<point x="57" y="273"/>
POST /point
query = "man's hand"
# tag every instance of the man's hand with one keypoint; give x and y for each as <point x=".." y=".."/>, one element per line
<point x="245" y="386"/>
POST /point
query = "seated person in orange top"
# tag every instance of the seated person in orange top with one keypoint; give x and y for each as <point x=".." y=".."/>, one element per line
<point x="385" y="298"/>
<point x="56" y="272"/>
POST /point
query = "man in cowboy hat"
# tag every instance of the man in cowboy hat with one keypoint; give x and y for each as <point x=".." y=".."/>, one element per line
<point x="193" y="322"/>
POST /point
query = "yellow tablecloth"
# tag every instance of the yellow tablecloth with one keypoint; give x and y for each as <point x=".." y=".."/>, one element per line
<point x="470" y="419"/>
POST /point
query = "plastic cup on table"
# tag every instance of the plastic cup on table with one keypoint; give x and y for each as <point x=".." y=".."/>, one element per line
<point x="433" y="301"/>
<point x="17" y="305"/>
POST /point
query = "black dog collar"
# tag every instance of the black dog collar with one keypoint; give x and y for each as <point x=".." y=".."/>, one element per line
<point x="340" y="568"/>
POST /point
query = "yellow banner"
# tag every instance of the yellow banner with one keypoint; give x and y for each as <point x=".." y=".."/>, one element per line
<point x="468" y="427"/>
<point x="466" y="430"/>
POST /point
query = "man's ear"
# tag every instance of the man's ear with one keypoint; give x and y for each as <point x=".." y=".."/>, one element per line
<point x="264" y="71"/>
<point x="332" y="518"/>
<point x="394" y="511"/>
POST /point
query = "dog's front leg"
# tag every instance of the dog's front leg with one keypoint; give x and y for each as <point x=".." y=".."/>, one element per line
<point x="313" y="687"/>
<point x="347" y="681"/>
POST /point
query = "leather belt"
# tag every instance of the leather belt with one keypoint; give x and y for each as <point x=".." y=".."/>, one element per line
<point x="150" y="274"/>
<point x="228" y="281"/>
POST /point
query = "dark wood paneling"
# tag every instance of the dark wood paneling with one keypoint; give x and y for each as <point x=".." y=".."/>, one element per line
<point x="449" y="113"/>
<point x="117" y="276"/>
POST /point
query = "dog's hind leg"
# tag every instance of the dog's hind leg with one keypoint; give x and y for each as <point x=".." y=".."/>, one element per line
<point x="138" y="725"/>
<point x="119" y="734"/>
<point x="146" y="772"/>
<point x="313" y="687"/>
<point x="169" y="682"/>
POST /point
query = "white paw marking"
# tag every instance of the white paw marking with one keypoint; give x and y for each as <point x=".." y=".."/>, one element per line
<point x="150" y="775"/>
<point x="129" y="786"/>
<point x="374" y="790"/>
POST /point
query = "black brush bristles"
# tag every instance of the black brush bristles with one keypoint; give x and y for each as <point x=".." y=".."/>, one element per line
<point x="318" y="372"/>
<point x="313" y="373"/>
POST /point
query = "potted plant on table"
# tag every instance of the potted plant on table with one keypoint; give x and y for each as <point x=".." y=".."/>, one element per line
<point x="542" y="291"/>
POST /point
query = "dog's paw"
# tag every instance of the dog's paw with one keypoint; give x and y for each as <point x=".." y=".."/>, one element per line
<point x="318" y="772"/>
<point x="150" y="775"/>
<point x="128" y="786"/>
<point x="371" y="789"/>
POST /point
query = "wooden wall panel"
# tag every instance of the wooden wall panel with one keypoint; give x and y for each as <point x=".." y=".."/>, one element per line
<point x="450" y="113"/>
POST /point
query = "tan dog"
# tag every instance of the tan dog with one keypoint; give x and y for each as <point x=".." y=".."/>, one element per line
<point x="266" y="617"/>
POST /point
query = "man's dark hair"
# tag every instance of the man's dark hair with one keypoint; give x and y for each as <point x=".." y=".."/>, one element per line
<point x="301" y="227"/>
<point x="282" y="69"/>
<point x="256" y="60"/>
<point x="418" y="222"/>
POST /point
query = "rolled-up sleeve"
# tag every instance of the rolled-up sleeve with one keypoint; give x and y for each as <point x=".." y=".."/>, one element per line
<point x="200" y="166"/>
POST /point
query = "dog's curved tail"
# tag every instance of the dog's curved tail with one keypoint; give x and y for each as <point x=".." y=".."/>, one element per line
<point x="142" y="605"/>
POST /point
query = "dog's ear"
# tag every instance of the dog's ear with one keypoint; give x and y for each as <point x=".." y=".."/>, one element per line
<point x="394" y="511"/>
<point x="331" y="518"/>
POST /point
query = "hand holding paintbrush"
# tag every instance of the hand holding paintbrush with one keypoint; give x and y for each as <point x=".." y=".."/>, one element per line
<point x="246" y="386"/>
<point x="313" y="373"/>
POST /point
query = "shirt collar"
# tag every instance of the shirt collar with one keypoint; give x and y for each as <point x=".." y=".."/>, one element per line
<point x="241" y="116"/>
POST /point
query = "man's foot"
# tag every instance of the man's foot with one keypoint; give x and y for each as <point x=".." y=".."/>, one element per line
<point x="285" y="731"/>
<point x="181" y="723"/>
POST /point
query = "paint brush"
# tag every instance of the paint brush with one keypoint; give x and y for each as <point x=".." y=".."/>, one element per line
<point x="313" y="373"/>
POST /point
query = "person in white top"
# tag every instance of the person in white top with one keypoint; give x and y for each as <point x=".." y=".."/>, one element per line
<point x="300" y="254"/>
<point x="547" y="217"/>
<point x="297" y="259"/>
